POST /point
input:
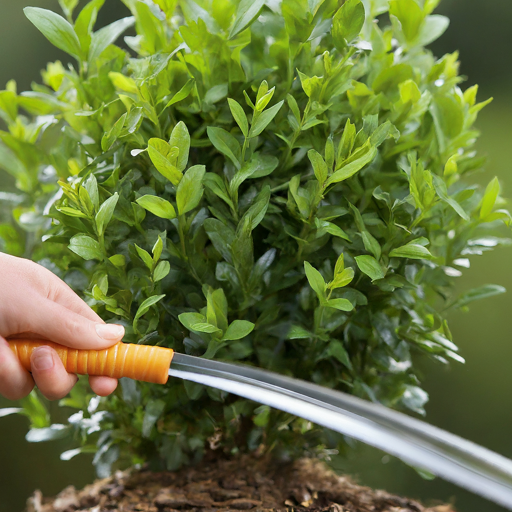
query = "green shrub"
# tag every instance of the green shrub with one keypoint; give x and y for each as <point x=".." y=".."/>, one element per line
<point x="250" y="182"/>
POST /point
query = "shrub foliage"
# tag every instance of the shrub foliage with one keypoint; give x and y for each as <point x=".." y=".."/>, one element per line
<point x="277" y="183"/>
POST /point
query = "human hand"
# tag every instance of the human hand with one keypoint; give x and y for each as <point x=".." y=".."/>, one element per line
<point x="35" y="303"/>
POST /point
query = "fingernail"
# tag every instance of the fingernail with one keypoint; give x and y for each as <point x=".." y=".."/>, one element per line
<point x="42" y="359"/>
<point x="112" y="332"/>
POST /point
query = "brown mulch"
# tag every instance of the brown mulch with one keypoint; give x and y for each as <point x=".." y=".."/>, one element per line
<point x="221" y="485"/>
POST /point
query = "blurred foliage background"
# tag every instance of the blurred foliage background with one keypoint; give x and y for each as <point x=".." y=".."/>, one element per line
<point x="472" y="400"/>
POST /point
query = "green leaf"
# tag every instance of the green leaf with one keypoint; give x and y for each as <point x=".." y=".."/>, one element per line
<point x="337" y="350"/>
<point x="259" y="207"/>
<point x="182" y="94"/>
<point x="263" y="100"/>
<point x="383" y="132"/>
<point x="409" y="91"/>
<point x="319" y="166"/>
<point x="347" y="23"/>
<point x="56" y="29"/>
<point x="91" y="185"/>
<point x="410" y="15"/>
<point x="482" y="292"/>
<point x="226" y="144"/>
<point x="339" y="304"/>
<point x="72" y="212"/>
<point x="205" y="327"/>
<point x="180" y="139"/>
<point x="221" y="236"/>
<point x="362" y="158"/>
<point x="258" y="167"/>
<point x="190" y="319"/>
<point x="262" y="416"/>
<point x="152" y="413"/>
<point x="370" y="266"/>
<point x="448" y="115"/>
<point x="341" y="279"/>
<point x="246" y="12"/>
<point x="106" y="36"/>
<point x="297" y="332"/>
<point x="217" y="185"/>
<point x="489" y="200"/>
<point x="124" y="83"/>
<point x="112" y="135"/>
<point x="237" y="330"/>
<point x="324" y="226"/>
<point x="239" y="115"/>
<point x="190" y="189"/>
<point x="118" y="260"/>
<point x="86" y="247"/>
<point x="164" y="158"/>
<point x="68" y="6"/>
<point x="442" y="192"/>
<point x="371" y="244"/>
<point x="144" y="256"/>
<point x="216" y="93"/>
<point x="412" y="251"/>
<point x="157" y="206"/>
<point x="157" y="249"/>
<point x="315" y="279"/>
<point x="144" y="307"/>
<point x="264" y="119"/>
<point x="105" y="213"/>
<point x="85" y="21"/>
<point x="433" y="28"/>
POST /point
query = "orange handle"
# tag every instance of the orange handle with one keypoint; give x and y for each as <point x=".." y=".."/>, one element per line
<point x="139" y="362"/>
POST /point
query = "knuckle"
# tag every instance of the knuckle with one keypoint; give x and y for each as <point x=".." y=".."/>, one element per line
<point x="74" y="328"/>
<point x="13" y="392"/>
<point x="56" y="389"/>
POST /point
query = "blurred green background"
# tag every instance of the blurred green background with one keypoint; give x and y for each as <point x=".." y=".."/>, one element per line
<point x="473" y="400"/>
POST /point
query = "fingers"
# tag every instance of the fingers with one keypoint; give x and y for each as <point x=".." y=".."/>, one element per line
<point x="49" y="374"/>
<point x="62" y="294"/>
<point x="63" y="326"/>
<point x="103" y="386"/>
<point x="15" y="381"/>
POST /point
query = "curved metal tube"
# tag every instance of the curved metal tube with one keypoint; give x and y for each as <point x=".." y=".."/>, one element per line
<point x="417" y="443"/>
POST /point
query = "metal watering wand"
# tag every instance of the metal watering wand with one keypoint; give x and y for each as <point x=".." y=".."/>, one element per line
<point x="417" y="443"/>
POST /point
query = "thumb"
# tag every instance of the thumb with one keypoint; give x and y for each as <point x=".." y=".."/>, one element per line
<point x="63" y="326"/>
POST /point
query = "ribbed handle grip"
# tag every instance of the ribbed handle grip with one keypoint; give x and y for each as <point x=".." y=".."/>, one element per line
<point x="139" y="362"/>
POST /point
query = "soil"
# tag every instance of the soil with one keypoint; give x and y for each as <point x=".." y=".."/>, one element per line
<point x="221" y="485"/>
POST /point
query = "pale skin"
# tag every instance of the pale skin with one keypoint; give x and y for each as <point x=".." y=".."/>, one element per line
<point x="35" y="303"/>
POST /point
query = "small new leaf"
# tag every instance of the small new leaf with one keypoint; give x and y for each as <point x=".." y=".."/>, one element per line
<point x="315" y="279"/>
<point x="239" y="115"/>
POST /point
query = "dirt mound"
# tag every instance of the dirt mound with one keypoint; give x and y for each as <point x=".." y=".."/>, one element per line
<point x="221" y="485"/>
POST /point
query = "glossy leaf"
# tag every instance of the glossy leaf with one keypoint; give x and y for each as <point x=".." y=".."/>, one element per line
<point x="238" y="329"/>
<point x="56" y="29"/>
<point x="370" y="266"/>
<point x="246" y="12"/>
<point x="190" y="189"/>
<point x="86" y="247"/>
<point x="164" y="158"/>
<point x="347" y="23"/>
<point x="157" y="206"/>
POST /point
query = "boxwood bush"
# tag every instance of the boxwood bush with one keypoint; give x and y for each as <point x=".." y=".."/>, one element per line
<point x="280" y="183"/>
